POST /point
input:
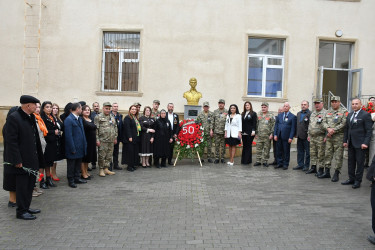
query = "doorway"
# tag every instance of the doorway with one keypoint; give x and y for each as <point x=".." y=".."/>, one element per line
<point x="336" y="82"/>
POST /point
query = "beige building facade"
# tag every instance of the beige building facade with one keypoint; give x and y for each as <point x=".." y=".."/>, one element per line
<point x="136" y="51"/>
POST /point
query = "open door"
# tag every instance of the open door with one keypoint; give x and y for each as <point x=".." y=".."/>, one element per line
<point x="355" y="85"/>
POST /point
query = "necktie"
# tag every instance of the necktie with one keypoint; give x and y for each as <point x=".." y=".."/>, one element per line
<point x="353" y="116"/>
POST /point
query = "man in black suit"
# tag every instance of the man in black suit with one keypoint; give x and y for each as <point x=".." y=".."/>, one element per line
<point x="22" y="148"/>
<point x="175" y="123"/>
<point x="371" y="176"/>
<point x="357" y="137"/>
<point x="303" y="145"/>
<point x="285" y="130"/>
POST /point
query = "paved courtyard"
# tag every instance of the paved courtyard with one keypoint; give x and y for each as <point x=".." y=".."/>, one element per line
<point x="188" y="207"/>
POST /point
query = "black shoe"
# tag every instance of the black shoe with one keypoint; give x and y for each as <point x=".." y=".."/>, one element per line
<point x="163" y="165"/>
<point x="265" y="164"/>
<point x="171" y="164"/>
<point x="371" y="239"/>
<point x="222" y="161"/>
<point x="93" y="166"/>
<point x="26" y="216"/>
<point x="311" y="170"/>
<point x="33" y="211"/>
<point x="79" y="181"/>
<point x="335" y="177"/>
<point x="202" y="160"/>
<point x="285" y="167"/>
<point x="278" y="166"/>
<point x="130" y="169"/>
<point x="209" y="160"/>
<point x="49" y="182"/>
<point x="12" y="204"/>
<point x="356" y="184"/>
<point x="347" y="182"/>
<point x="274" y="162"/>
<point x="157" y="166"/>
<point x="72" y="184"/>
<point x="118" y="167"/>
<point x="305" y="169"/>
<point x="88" y="178"/>
<point x="257" y="164"/>
<point x="216" y="161"/>
<point x="320" y="172"/>
<point x="326" y="174"/>
<point x="298" y="168"/>
<point x="43" y="185"/>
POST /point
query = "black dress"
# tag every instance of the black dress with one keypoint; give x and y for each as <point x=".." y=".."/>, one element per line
<point x="60" y="155"/>
<point x="130" y="148"/>
<point x="163" y="133"/>
<point x="146" y="148"/>
<point x="90" y="133"/>
<point x="50" y="154"/>
<point x="249" y="124"/>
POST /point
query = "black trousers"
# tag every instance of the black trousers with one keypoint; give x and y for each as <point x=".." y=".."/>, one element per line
<point x="373" y="205"/>
<point x="247" y="153"/>
<point x="171" y="147"/>
<point x="24" y="192"/>
<point x="356" y="160"/>
<point x="283" y="152"/>
<point x="73" y="169"/>
<point x="116" y="149"/>
<point x="274" y="143"/>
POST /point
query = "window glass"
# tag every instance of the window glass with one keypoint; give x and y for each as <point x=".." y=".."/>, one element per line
<point x="266" y="46"/>
<point x="326" y="54"/>
<point x="274" y="82"/>
<point x="342" y="55"/>
<point x="255" y="76"/>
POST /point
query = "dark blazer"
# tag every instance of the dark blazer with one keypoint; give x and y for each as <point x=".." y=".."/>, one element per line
<point x="249" y="123"/>
<point x="285" y="129"/>
<point x="119" y="122"/>
<point x="303" y="126"/>
<point x="176" y="124"/>
<point x="50" y="154"/>
<point x="358" y="132"/>
<point x="129" y="130"/>
<point x="75" y="139"/>
<point x="22" y="143"/>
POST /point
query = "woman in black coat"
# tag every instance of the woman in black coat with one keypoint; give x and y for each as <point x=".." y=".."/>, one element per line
<point x="50" y="154"/>
<point x="130" y="132"/>
<point x="90" y="133"/>
<point x="249" y="125"/>
<point x="162" y="139"/>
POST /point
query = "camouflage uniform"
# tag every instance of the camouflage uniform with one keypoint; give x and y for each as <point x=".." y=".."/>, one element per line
<point x="335" y="119"/>
<point x="106" y="133"/>
<point x="218" y="125"/>
<point x="317" y="133"/>
<point x="206" y="119"/>
<point x="155" y="114"/>
<point x="265" y="127"/>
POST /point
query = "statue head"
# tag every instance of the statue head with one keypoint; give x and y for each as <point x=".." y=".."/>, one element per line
<point x="193" y="82"/>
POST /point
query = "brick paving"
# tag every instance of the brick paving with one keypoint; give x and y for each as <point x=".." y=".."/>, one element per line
<point x="188" y="207"/>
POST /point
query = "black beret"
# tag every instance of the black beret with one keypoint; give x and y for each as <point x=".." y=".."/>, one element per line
<point x="28" y="99"/>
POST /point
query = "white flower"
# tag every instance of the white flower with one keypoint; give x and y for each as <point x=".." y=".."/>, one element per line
<point x="196" y="145"/>
<point x="178" y="143"/>
<point x="201" y="128"/>
<point x="188" y="146"/>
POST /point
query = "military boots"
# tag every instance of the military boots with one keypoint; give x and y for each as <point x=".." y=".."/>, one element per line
<point x="326" y="174"/>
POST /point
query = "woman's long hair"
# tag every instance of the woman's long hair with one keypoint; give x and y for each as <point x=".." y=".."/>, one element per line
<point x="244" y="108"/>
<point x="42" y="113"/>
<point x="130" y="114"/>
<point x="233" y="105"/>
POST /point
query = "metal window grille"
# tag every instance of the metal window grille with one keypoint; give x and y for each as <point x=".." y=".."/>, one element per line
<point x="120" y="65"/>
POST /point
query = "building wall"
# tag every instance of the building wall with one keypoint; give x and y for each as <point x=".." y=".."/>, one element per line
<point x="60" y="60"/>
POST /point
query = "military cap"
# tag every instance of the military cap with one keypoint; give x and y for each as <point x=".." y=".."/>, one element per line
<point x="335" y="98"/>
<point x="206" y="104"/>
<point x="317" y="99"/>
<point x="221" y="101"/>
<point x="28" y="99"/>
<point x="156" y="101"/>
<point x="107" y="104"/>
<point x="138" y="104"/>
<point x="265" y="104"/>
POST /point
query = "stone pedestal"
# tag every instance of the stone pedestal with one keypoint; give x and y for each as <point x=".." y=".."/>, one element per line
<point x="192" y="111"/>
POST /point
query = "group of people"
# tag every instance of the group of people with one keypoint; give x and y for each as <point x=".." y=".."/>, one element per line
<point x="82" y="135"/>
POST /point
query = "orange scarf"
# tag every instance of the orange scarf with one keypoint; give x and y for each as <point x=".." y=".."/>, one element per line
<point x="41" y="124"/>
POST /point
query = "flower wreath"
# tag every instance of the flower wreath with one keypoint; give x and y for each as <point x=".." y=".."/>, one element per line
<point x="190" y="139"/>
<point x="369" y="108"/>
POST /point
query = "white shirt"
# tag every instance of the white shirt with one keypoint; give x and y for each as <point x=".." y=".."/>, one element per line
<point x="170" y="118"/>
<point x="76" y="116"/>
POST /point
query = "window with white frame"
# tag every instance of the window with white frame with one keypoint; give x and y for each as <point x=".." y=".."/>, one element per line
<point x="120" y="65"/>
<point x="265" y="67"/>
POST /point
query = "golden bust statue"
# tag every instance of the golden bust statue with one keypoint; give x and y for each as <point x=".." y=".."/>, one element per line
<point x="192" y="96"/>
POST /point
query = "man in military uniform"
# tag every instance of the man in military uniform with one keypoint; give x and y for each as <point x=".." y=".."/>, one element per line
<point x="106" y="138"/>
<point x="155" y="113"/>
<point x="334" y="123"/>
<point x="138" y="105"/>
<point x="265" y="128"/>
<point x="116" y="148"/>
<point x="206" y="118"/>
<point x="217" y="131"/>
<point x="316" y="137"/>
